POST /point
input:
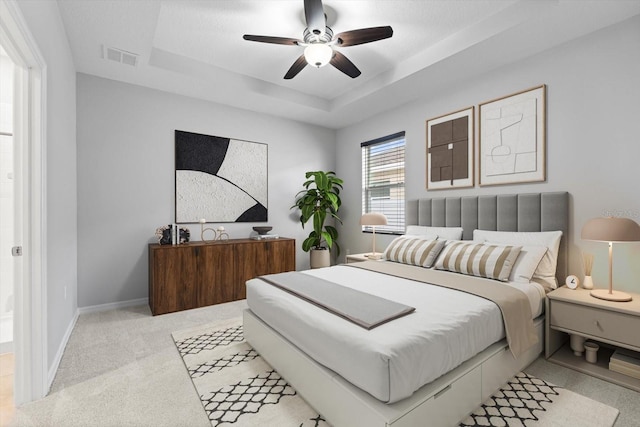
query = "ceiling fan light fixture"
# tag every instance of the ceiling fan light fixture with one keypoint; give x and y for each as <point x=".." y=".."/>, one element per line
<point x="318" y="54"/>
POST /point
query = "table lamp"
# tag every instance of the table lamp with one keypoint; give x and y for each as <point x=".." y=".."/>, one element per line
<point x="372" y="219"/>
<point x="611" y="230"/>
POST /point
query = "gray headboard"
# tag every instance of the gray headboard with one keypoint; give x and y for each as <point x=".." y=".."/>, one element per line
<point x="504" y="212"/>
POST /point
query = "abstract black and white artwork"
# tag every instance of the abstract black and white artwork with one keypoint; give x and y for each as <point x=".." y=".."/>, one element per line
<point x="220" y="179"/>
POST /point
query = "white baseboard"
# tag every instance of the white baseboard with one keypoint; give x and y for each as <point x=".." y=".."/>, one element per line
<point x="63" y="344"/>
<point x="113" y="305"/>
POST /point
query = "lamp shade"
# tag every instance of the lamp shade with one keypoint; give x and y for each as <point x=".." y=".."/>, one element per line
<point x="373" y="218"/>
<point x="611" y="229"/>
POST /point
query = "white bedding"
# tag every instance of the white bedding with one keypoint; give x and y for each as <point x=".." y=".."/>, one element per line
<point x="393" y="360"/>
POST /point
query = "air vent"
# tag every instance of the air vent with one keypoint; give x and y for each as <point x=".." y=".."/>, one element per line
<point x="119" y="55"/>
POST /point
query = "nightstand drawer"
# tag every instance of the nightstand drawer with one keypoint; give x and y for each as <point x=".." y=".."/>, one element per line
<point x="605" y="324"/>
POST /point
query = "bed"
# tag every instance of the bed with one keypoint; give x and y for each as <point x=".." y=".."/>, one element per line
<point x="371" y="382"/>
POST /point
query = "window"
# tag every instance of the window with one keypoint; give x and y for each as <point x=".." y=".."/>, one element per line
<point x="383" y="181"/>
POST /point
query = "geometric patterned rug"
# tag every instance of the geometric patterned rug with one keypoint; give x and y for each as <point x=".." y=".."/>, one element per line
<point x="238" y="388"/>
<point x="529" y="401"/>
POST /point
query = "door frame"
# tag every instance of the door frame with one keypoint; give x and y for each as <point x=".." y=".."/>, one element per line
<point x="30" y="313"/>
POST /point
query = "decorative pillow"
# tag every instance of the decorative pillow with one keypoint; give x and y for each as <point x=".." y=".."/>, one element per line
<point x="414" y="250"/>
<point x="447" y="233"/>
<point x="545" y="273"/>
<point x="479" y="259"/>
<point x="526" y="263"/>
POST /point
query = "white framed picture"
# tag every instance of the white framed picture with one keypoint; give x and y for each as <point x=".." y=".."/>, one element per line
<point x="512" y="138"/>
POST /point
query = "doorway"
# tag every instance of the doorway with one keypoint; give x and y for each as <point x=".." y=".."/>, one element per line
<point x="22" y="223"/>
<point x="7" y="235"/>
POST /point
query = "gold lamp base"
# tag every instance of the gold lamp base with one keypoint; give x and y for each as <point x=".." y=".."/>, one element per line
<point x="611" y="295"/>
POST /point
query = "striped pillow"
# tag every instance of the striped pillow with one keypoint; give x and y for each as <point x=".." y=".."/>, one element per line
<point x="479" y="259"/>
<point x="414" y="250"/>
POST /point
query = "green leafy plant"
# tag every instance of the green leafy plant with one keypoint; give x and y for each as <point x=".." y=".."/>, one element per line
<point x="320" y="199"/>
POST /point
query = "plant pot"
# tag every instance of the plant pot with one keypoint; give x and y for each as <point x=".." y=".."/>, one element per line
<point x="320" y="258"/>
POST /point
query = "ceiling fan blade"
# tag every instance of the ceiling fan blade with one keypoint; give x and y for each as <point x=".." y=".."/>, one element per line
<point x="296" y="67"/>
<point x="363" y="35"/>
<point x="270" y="39"/>
<point x="314" y="15"/>
<point x="343" y="64"/>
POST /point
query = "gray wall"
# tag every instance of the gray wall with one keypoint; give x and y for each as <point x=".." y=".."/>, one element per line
<point x="45" y="24"/>
<point x="593" y="140"/>
<point x="126" y="176"/>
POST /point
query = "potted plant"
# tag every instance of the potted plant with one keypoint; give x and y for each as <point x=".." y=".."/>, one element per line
<point x="320" y="199"/>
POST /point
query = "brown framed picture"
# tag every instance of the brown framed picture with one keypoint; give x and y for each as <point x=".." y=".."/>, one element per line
<point x="450" y="150"/>
<point x="512" y="138"/>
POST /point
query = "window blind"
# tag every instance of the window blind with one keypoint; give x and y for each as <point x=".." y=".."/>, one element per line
<point x="383" y="181"/>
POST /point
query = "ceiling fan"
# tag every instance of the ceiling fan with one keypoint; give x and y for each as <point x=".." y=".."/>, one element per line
<point x="319" y="42"/>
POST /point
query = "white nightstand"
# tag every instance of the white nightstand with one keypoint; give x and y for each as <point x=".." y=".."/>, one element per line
<point x="360" y="257"/>
<point x="611" y="324"/>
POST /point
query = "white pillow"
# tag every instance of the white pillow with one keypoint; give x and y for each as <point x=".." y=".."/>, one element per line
<point x="526" y="263"/>
<point x="414" y="250"/>
<point x="545" y="273"/>
<point x="448" y="233"/>
<point x="479" y="259"/>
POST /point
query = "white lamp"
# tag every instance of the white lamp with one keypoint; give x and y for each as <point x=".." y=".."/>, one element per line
<point x="611" y="230"/>
<point x="318" y="54"/>
<point x="372" y="219"/>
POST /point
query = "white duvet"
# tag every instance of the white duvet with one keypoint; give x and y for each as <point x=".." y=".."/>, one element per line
<point x="391" y="361"/>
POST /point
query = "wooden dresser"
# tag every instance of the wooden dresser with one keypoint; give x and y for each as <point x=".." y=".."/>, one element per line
<point x="198" y="274"/>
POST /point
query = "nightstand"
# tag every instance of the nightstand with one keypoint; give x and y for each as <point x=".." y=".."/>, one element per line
<point x="610" y="324"/>
<point x="360" y="257"/>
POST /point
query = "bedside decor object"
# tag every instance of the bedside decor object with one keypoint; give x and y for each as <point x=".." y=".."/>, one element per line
<point x="320" y="199"/>
<point x="588" y="266"/>
<point x="626" y="362"/>
<point x="222" y="179"/>
<point x="450" y="150"/>
<point x="591" y="351"/>
<point x="373" y="219"/>
<point x="512" y="138"/>
<point x="576" y="342"/>
<point x="611" y="229"/>
<point x="572" y="281"/>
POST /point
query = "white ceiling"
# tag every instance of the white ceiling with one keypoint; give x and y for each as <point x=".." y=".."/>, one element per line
<point x="195" y="47"/>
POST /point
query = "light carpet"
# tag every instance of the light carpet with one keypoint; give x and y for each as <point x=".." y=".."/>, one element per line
<point x="238" y="388"/>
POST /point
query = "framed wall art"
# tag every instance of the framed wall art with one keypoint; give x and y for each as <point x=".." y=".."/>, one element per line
<point x="220" y="179"/>
<point x="450" y="150"/>
<point x="512" y="143"/>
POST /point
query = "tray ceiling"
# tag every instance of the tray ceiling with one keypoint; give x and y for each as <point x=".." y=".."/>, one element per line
<point x="195" y="48"/>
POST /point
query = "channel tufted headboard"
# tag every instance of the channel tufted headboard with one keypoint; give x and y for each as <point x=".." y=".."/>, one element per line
<point x="504" y="212"/>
